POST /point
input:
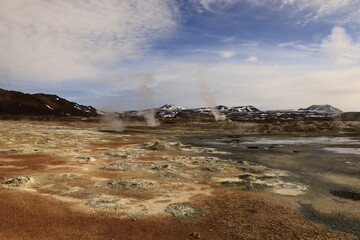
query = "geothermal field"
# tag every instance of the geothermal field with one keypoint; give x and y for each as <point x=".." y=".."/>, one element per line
<point x="179" y="180"/>
<point x="179" y="120"/>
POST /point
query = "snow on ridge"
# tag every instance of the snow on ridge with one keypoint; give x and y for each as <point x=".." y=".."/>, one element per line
<point x="248" y="108"/>
<point x="77" y="107"/>
<point x="171" y="107"/>
<point x="49" y="107"/>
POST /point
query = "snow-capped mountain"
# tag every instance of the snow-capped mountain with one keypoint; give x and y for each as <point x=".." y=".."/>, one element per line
<point x="322" y="108"/>
<point x="225" y="109"/>
<point x="168" y="111"/>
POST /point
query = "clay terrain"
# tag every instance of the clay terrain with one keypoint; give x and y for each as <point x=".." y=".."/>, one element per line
<point x="206" y="180"/>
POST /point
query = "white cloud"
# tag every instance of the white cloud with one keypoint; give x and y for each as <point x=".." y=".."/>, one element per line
<point x="263" y="85"/>
<point x="252" y="59"/>
<point x="226" y="54"/>
<point x="48" y="40"/>
<point x="340" y="47"/>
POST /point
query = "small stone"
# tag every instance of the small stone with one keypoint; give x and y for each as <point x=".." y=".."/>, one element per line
<point x="85" y="159"/>
<point x="195" y="235"/>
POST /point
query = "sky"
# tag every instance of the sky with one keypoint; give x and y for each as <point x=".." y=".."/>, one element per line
<point x="273" y="54"/>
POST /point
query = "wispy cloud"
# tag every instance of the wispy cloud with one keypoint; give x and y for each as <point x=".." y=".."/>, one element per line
<point x="299" y="46"/>
<point x="48" y="40"/>
<point x="221" y="53"/>
<point x="211" y="5"/>
<point x="252" y="59"/>
<point x="226" y="54"/>
<point x="334" y="11"/>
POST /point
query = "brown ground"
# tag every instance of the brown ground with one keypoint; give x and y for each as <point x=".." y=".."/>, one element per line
<point x="229" y="215"/>
<point x="54" y="206"/>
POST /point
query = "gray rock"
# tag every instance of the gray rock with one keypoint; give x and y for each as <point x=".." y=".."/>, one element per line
<point x="16" y="182"/>
<point x="11" y="151"/>
<point x="170" y="174"/>
<point x="183" y="211"/>
<point x="84" y="159"/>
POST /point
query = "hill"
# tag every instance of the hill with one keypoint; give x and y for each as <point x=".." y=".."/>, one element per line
<point x="19" y="103"/>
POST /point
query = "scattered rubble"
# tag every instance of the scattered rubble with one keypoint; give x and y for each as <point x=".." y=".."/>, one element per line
<point x="163" y="145"/>
<point x="129" y="184"/>
<point x="245" y="185"/>
<point x="119" y="166"/>
<point x="105" y="200"/>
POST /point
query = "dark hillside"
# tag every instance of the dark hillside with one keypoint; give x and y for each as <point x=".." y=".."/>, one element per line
<point x="18" y="103"/>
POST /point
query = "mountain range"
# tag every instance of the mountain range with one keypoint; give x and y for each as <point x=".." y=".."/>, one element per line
<point x="40" y="104"/>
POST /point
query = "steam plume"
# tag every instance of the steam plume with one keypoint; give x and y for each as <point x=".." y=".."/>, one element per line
<point x="113" y="121"/>
<point x="147" y="95"/>
<point x="205" y="93"/>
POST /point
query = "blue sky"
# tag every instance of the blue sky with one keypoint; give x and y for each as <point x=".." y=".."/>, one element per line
<point x="273" y="54"/>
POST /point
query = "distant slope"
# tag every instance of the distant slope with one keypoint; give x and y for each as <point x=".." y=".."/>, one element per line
<point x="322" y="108"/>
<point x="350" y="116"/>
<point x="18" y="103"/>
